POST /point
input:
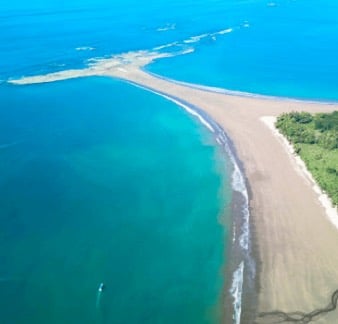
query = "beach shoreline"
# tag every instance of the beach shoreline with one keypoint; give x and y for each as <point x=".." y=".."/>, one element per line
<point x="240" y="274"/>
<point x="297" y="259"/>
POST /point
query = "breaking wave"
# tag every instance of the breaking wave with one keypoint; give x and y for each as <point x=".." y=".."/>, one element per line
<point x="236" y="292"/>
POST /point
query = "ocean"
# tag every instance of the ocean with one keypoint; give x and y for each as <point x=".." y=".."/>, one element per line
<point x="95" y="189"/>
<point x="103" y="182"/>
<point x="281" y="48"/>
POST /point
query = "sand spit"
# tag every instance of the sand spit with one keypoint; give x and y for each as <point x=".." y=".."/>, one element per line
<point x="101" y="66"/>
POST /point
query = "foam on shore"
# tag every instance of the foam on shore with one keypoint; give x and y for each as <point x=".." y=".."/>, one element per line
<point x="237" y="291"/>
<point x="238" y="184"/>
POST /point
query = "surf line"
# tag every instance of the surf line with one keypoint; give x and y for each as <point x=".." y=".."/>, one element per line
<point x="245" y="273"/>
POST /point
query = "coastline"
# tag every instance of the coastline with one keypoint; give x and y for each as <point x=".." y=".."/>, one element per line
<point x="241" y="267"/>
<point x="296" y="242"/>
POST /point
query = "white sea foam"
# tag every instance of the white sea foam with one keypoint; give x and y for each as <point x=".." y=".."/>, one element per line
<point x="330" y="210"/>
<point x="195" y="39"/>
<point x="194" y="113"/>
<point x="236" y="291"/>
<point x="166" y="27"/>
<point x="224" y="31"/>
<point x="233" y="233"/>
<point x="85" y="48"/>
<point x="186" y="51"/>
<point x="238" y="184"/>
<point x="158" y="48"/>
<point x="185" y="107"/>
<point x="190" y="40"/>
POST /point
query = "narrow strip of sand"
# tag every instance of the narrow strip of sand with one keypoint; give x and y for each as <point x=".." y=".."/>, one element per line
<point x="297" y="243"/>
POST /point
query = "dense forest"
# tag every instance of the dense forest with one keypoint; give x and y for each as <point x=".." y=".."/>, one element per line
<point x="315" y="138"/>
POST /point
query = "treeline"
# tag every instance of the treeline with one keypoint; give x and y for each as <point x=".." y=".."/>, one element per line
<point x="315" y="138"/>
<point x="302" y="127"/>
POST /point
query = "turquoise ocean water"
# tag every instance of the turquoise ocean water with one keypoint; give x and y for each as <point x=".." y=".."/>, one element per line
<point x="105" y="182"/>
<point x="95" y="189"/>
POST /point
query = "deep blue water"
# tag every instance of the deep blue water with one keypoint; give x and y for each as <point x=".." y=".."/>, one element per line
<point x="283" y="47"/>
<point x="288" y="49"/>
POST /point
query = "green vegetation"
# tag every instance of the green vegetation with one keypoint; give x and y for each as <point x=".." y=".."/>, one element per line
<point x="315" y="138"/>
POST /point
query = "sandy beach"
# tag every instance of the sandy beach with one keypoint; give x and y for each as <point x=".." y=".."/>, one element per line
<point x="295" y="239"/>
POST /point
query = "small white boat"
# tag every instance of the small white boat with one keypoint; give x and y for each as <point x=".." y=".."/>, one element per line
<point x="101" y="287"/>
